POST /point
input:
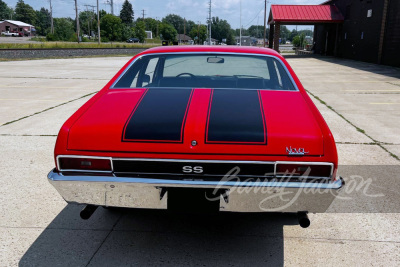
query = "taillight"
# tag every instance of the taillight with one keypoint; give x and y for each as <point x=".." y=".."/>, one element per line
<point x="304" y="169"/>
<point x="84" y="164"/>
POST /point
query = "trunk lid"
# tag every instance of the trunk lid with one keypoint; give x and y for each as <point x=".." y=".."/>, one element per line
<point x="198" y="121"/>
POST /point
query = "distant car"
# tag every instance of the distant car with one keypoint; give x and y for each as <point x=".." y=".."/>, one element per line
<point x="12" y="34"/>
<point x="224" y="128"/>
<point x="133" y="40"/>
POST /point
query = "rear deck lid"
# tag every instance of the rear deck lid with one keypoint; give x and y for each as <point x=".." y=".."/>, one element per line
<point x="198" y="121"/>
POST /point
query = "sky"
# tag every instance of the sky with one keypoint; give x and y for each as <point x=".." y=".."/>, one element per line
<point x="196" y="10"/>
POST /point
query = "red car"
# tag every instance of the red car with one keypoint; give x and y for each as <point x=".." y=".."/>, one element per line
<point x="220" y="128"/>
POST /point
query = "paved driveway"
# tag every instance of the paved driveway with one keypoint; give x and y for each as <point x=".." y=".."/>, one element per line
<point x="360" y="102"/>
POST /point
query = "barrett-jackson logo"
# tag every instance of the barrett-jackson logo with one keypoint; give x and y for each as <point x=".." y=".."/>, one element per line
<point x="296" y="151"/>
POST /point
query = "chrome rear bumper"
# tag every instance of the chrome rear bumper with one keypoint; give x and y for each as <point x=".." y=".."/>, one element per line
<point x="130" y="192"/>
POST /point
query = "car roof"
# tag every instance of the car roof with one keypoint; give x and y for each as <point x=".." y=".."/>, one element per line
<point x="212" y="48"/>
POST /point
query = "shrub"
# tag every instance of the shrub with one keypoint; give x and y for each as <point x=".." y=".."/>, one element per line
<point x="51" y="37"/>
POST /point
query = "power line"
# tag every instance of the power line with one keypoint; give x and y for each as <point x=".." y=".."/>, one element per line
<point x="254" y="18"/>
<point x="91" y="17"/>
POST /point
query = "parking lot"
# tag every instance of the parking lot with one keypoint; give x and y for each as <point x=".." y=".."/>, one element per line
<point x="359" y="101"/>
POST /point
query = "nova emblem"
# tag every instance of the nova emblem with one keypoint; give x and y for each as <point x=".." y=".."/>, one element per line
<point x="191" y="169"/>
<point x="295" y="151"/>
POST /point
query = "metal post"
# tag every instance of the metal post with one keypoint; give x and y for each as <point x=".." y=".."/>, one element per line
<point x="265" y="21"/>
<point x="98" y="23"/>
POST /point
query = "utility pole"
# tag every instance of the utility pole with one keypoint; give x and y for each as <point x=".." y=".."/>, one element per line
<point x="88" y="22"/>
<point x="184" y="27"/>
<point x="240" y="30"/>
<point x="198" y="32"/>
<point x="265" y="21"/>
<point x="209" y="24"/>
<point x="157" y="27"/>
<point x="91" y="18"/>
<point x="51" y="18"/>
<point x="143" y="14"/>
<point x="98" y="23"/>
<point x="111" y="3"/>
<point x="77" y="20"/>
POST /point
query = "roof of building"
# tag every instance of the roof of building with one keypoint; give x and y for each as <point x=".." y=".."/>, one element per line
<point x="19" y="23"/>
<point x="304" y="14"/>
<point x="183" y="37"/>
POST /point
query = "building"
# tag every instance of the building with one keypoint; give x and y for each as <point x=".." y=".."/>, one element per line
<point x="213" y="42"/>
<point x="370" y="32"/>
<point x="24" y="29"/>
<point x="246" y="40"/>
<point x="149" y="34"/>
<point x="365" y="30"/>
<point x="184" y="39"/>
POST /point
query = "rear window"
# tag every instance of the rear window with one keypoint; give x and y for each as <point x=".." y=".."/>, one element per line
<point x="206" y="71"/>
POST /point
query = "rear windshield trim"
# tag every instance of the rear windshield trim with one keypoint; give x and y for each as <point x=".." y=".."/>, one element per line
<point x="209" y="53"/>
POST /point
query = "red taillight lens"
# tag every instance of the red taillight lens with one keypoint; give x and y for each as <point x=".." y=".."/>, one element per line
<point x="84" y="164"/>
<point x="306" y="170"/>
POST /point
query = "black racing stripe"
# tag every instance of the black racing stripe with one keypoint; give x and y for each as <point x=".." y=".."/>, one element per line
<point x="236" y="117"/>
<point x="159" y="117"/>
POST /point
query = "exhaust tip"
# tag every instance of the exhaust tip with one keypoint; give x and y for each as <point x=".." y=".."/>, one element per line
<point x="87" y="212"/>
<point x="303" y="219"/>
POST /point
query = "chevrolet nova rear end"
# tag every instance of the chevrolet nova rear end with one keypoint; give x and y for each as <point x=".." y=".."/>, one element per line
<point x="233" y="123"/>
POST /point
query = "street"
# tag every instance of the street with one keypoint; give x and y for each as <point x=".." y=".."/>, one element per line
<point x="359" y="101"/>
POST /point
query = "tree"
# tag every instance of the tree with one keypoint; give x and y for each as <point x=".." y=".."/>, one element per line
<point x="126" y="13"/>
<point x="190" y="24"/>
<point x="63" y="30"/>
<point x="285" y="34"/>
<point x="102" y="13"/>
<point x="150" y="25"/>
<point x="257" y="31"/>
<point x="220" y="29"/>
<point x="86" y="19"/>
<point x="111" y="27"/>
<point x="127" y="32"/>
<point x="5" y="11"/>
<point x="25" y="13"/>
<point x="139" y="31"/>
<point x="244" y="32"/>
<point x="43" y="22"/>
<point x="176" y="21"/>
<point x="298" y="41"/>
<point x="199" y="33"/>
<point x="168" y="32"/>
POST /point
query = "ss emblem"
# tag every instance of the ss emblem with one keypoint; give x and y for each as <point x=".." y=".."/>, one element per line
<point x="191" y="169"/>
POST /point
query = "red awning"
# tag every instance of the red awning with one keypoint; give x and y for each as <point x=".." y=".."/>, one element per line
<point x="307" y="14"/>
